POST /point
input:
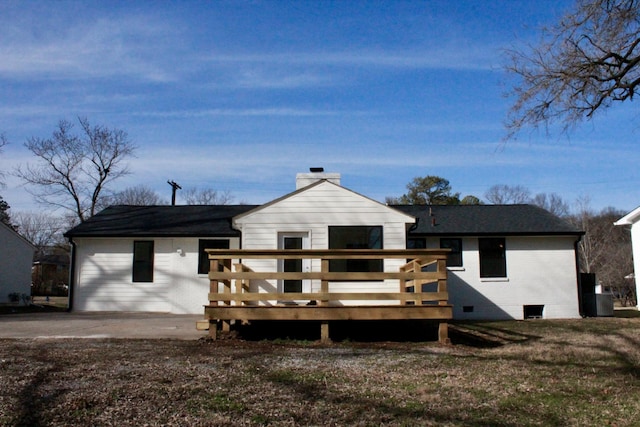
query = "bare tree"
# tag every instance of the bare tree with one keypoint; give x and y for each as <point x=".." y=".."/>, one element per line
<point x="605" y="249"/>
<point x="3" y="142"/>
<point x="72" y="170"/>
<point x="4" y="213"/>
<point x="206" y="196"/>
<point x="516" y="194"/>
<point x="502" y="194"/>
<point x="583" y="64"/>
<point x="140" y="195"/>
<point x="551" y="202"/>
<point x="43" y="230"/>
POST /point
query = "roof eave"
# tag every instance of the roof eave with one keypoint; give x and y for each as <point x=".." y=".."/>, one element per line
<point x="515" y="233"/>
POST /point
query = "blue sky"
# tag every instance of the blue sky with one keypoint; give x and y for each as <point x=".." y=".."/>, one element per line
<point x="239" y="96"/>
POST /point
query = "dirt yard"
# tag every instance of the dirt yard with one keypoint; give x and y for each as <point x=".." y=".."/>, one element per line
<point x="533" y="373"/>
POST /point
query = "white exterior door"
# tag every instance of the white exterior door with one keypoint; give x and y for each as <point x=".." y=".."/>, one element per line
<point x="297" y="240"/>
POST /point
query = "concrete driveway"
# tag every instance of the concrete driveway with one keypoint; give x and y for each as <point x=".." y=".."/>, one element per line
<point x="100" y="325"/>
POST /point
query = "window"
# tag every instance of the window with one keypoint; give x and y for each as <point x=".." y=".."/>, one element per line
<point x="203" y="259"/>
<point x="416" y="243"/>
<point x="143" y="261"/>
<point x="355" y="237"/>
<point x="454" y="258"/>
<point x="493" y="262"/>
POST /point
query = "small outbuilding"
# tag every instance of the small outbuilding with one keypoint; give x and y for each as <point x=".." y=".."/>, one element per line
<point x="16" y="258"/>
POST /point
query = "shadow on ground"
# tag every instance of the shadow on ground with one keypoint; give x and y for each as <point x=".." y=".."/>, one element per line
<point x="353" y="331"/>
<point x="483" y="335"/>
<point x="626" y="313"/>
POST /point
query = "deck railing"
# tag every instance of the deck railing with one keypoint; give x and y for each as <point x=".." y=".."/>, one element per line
<point x="231" y="296"/>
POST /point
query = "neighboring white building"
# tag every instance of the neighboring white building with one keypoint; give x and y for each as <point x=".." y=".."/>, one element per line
<point x="507" y="262"/>
<point x="632" y="220"/>
<point x="16" y="258"/>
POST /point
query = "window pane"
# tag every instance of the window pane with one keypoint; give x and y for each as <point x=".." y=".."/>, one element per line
<point x="143" y="261"/>
<point x="454" y="258"/>
<point x="203" y="260"/>
<point x="355" y="237"/>
<point x="493" y="262"/>
<point x="416" y="243"/>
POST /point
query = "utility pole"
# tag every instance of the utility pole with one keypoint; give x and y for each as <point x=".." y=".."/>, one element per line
<point x="174" y="188"/>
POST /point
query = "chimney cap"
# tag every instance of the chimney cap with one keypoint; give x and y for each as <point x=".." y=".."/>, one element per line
<point x="316" y="170"/>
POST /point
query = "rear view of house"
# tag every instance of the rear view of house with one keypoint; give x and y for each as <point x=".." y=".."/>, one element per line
<point x="503" y="262"/>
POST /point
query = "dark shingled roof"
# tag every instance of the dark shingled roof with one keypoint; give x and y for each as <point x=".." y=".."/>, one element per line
<point x="478" y="220"/>
<point x="161" y="221"/>
<point x="215" y="220"/>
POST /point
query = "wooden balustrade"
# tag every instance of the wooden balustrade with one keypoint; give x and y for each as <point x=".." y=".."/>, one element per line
<point x="232" y="296"/>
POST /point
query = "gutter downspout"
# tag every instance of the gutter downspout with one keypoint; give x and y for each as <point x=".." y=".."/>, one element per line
<point x="72" y="274"/>
<point x="414" y="225"/>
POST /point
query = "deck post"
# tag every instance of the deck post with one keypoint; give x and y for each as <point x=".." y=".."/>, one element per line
<point x="213" y="283"/>
<point x="226" y="267"/>
<point x="324" y="333"/>
<point x="213" y="287"/>
<point x="213" y="329"/>
<point x="443" y="333"/>
<point x="442" y="283"/>
<point x="324" y="284"/>
<point x="403" y="283"/>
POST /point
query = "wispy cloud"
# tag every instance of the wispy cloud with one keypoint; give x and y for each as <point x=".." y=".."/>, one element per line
<point x="95" y="48"/>
<point x="250" y="112"/>
<point x="304" y="69"/>
<point x="442" y="57"/>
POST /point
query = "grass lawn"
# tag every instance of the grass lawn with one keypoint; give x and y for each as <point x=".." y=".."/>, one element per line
<point x="517" y="373"/>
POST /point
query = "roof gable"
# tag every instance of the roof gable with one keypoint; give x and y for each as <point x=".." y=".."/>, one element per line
<point x="477" y="220"/>
<point x="630" y="218"/>
<point x="326" y="199"/>
<point x="12" y="234"/>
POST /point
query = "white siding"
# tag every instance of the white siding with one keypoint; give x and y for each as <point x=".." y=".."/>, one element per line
<point x="312" y="211"/>
<point x="632" y="220"/>
<point x="540" y="271"/>
<point x="103" y="277"/>
<point x="16" y="260"/>
<point x="635" y="247"/>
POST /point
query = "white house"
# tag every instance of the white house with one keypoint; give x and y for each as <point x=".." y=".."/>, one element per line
<point x="632" y="221"/>
<point x="506" y="262"/>
<point x="16" y="258"/>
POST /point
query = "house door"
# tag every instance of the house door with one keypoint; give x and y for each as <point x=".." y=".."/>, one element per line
<point x="294" y="241"/>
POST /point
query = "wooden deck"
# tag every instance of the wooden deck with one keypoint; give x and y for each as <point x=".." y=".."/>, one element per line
<point x="233" y="298"/>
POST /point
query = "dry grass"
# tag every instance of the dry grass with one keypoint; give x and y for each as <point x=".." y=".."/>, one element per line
<point x="564" y="373"/>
